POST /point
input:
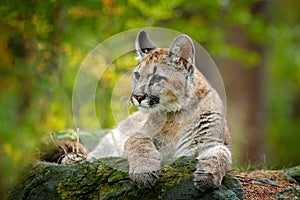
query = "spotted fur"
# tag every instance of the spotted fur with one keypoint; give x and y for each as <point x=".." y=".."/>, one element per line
<point x="180" y="114"/>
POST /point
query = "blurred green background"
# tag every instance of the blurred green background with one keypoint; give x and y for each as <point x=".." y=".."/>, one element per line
<point x="256" y="45"/>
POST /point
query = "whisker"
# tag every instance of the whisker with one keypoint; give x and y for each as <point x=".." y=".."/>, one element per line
<point x="125" y="98"/>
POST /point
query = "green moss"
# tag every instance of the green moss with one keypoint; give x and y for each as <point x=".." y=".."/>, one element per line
<point x="101" y="180"/>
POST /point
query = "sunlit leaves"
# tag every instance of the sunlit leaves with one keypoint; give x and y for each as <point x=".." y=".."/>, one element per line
<point x="81" y="12"/>
<point x="155" y="11"/>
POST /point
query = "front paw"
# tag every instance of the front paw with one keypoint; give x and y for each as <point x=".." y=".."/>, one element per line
<point x="208" y="175"/>
<point x="205" y="181"/>
<point x="145" y="173"/>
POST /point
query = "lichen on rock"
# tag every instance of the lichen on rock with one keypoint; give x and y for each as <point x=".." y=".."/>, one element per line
<point x="108" y="178"/>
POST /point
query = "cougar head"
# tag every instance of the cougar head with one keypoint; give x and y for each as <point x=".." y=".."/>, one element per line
<point x="163" y="78"/>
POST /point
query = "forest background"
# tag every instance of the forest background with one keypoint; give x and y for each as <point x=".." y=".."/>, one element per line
<point x="255" y="44"/>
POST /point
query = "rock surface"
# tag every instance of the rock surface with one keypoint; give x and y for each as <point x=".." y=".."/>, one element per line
<point x="288" y="193"/>
<point x="294" y="172"/>
<point x="108" y="179"/>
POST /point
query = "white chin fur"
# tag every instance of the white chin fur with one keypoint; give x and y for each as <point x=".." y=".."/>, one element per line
<point x="143" y="109"/>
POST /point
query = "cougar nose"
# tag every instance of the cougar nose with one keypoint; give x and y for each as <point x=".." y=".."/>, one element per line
<point x="139" y="98"/>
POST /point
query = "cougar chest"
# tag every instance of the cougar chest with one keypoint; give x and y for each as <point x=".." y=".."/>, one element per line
<point x="166" y="140"/>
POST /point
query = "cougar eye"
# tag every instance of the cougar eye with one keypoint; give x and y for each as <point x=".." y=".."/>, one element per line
<point x="156" y="79"/>
<point x="136" y="75"/>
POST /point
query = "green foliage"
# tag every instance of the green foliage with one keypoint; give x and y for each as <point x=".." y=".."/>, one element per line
<point x="43" y="43"/>
<point x="69" y="134"/>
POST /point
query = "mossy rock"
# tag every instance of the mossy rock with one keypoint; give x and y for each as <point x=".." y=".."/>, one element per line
<point x="294" y="172"/>
<point x="288" y="193"/>
<point x="108" y="179"/>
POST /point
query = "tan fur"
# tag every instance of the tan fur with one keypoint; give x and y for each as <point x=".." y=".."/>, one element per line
<point x="155" y="56"/>
<point x="180" y="115"/>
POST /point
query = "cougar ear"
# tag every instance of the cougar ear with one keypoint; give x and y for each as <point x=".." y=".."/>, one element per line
<point x="182" y="47"/>
<point x="143" y="44"/>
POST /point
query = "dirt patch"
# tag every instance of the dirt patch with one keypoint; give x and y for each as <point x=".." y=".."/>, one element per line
<point x="264" y="184"/>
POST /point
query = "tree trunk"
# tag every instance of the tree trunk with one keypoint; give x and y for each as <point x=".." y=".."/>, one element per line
<point x="246" y="92"/>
